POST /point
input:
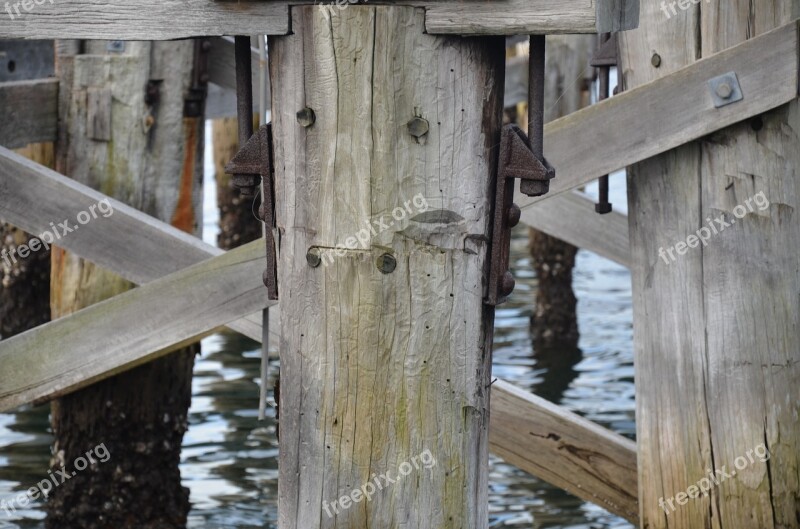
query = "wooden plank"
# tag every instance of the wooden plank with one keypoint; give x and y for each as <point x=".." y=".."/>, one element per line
<point x="132" y="328"/>
<point x="28" y="112"/>
<point x="172" y="19"/>
<point x="128" y="242"/>
<point x="222" y="64"/>
<point x="145" y="20"/>
<point x="571" y="218"/>
<point x="513" y="17"/>
<point x="668" y="112"/>
<point x="564" y="449"/>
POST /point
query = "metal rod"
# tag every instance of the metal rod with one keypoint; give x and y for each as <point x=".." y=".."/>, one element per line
<point x="244" y="89"/>
<point x="603" y="206"/>
<point x="536" y="95"/>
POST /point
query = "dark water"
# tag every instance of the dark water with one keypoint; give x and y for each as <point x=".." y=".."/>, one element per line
<point x="230" y="459"/>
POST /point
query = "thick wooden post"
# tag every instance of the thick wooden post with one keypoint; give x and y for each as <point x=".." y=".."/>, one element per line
<point x="384" y="211"/>
<point x="717" y="347"/>
<point x="124" y="133"/>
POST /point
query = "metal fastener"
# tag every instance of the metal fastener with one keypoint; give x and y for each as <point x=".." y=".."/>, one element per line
<point x="306" y="117"/>
<point x="386" y="263"/>
<point x="655" y="60"/>
<point x="313" y="258"/>
<point x="725" y="89"/>
<point x="117" y="46"/>
<point x="418" y="127"/>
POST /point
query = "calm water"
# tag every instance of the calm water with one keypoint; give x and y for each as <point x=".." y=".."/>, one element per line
<point x="230" y="459"/>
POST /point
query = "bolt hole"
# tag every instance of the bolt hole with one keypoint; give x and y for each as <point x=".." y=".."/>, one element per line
<point x="756" y="124"/>
<point x="12" y="66"/>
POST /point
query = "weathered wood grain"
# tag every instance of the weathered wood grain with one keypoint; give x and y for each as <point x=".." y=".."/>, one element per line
<point x="715" y="332"/>
<point x="654" y="117"/>
<point x="145" y="20"/>
<point x="130" y="243"/>
<point x="571" y="218"/>
<point x="564" y="449"/>
<point x="28" y="112"/>
<point x="173" y="19"/>
<point x="377" y="368"/>
<point x="131" y="328"/>
<point x="514" y="17"/>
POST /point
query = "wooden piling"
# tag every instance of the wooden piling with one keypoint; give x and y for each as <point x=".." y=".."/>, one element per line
<point x="715" y="327"/>
<point x="385" y="351"/>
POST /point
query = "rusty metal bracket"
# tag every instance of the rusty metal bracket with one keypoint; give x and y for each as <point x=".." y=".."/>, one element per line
<point x="517" y="161"/>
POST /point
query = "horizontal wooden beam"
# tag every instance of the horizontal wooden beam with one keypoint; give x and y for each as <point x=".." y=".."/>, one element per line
<point x="564" y="449"/>
<point x="571" y="218"/>
<point x="145" y="19"/>
<point x="127" y="242"/>
<point x="173" y="19"/>
<point x="132" y="328"/>
<point x="674" y="110"/>
<point x="28" y="112"/>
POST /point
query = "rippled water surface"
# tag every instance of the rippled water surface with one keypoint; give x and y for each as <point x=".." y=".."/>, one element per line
<point x="230" y="459"/>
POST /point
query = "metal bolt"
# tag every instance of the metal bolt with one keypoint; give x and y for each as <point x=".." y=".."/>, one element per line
<point x="418" y="127"/>
<point x="306" y="117"/>
<point x="724" y="90"/>
<point x="655" y="60"/>
<point x="313" y="258"/>
<point x="206" y="45"/>
<point x="507" y="286"/>
<point x="116" y="46"/>
<point x="514" y="213"/>
<point x="386" y="263"/>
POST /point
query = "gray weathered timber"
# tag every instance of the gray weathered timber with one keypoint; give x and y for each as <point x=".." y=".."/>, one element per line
<point x="715" y="331"/>
<point x="145" y="20"/>
<point x="172" y="19"/>
<point x="571" y="218"/>
<point x="28" y="112"/>
<point x="377" y="368"/>
<point x="132" y="328"/>
<point x="564" y="449"/>
<point x="130" y="243"/>
<point x="514" y="17"/>
<point x="222" y="66"/>
<point x="674" y="109"/>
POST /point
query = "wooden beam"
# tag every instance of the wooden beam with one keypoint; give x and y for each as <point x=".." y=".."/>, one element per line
<point x="222" y="64"/>
<point x="564" y="449"/>
<point x="132" y="328"/>
<point x="173" y="19"/>
<point x="666" y="113"/>
<point x="28" y="113"/>
<point x="128" y="242"/>
<point x="571" y="217"/>
<point x="514" y="17"/>
<point x="145" y="19"/>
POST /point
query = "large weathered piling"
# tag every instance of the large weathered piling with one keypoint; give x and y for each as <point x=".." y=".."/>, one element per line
<point x="384" y="209"/>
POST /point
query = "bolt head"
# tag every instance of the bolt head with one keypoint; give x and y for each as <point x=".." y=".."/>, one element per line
<point x="514" y="213"/>
<point x="418" y="127"/>
<point x="724" y="90"/>
<point x="306" y="117"/>
<point x="313" y="258"/>
<point x="507" y="284"/>
<point x="655" y="60"/>
<point x="386" y="263"/>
